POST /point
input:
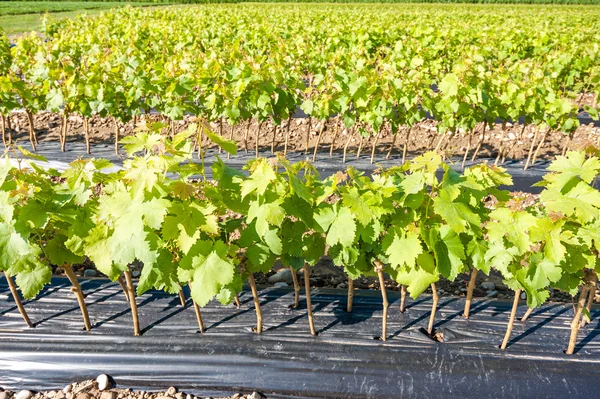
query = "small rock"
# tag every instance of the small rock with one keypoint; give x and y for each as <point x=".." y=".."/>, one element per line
<point x="82" y="395"/>
<point x="236" y="396"/>
<point x="24" y="394"/>
<point x="523" y="295"/>
<point x="492" y="294"/>
<point x="282" y="276"/>
<point x="171" y="391"/>
<point x="179" y="395"/>
<point x="488" y="286"/>
<point x="104" y="382"/>
<point x="281" y="284"/>
<point x="188" y="396"/>
<point x="4" y="395"/>
<point x="108" y="395"/>
<point x="70" y="395"/>
<point x="67" y="389"/>
<point x="90" y="273"/>
<point x="135" y="273"/>
<point x="342" y="285"/>
<point x="51" y="394"/>
<point x="256" y="395"/>
<point x="59" y="395"/>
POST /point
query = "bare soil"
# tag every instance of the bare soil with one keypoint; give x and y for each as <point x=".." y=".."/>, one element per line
<point x="515" y="141"/>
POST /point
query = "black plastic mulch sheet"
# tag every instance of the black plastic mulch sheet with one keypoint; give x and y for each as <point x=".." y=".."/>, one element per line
<point x="343" y="361"/>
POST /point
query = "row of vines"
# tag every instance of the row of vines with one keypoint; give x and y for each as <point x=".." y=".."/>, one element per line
<point x="364" y="67"/>
<point x="213" y="234"/>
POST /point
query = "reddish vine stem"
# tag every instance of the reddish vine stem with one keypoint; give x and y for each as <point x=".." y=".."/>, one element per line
<point x="198" y="312"/>
<point x="32" y="135"/>
<point x="13" y="290"/>
<point x="575" y="324"/>
<point x="246" y="134"/>
<point x="260" y="125"/>
<point x="375" y="145"/>
<point x="318" y="141"/>
<point x="335" y="134"/>
<point x="259" y="319"/>
<point x="123" y="287"/>
<point x="480" y="143"/>
<point x="537" y="151"/>
<point x="86" y="133"/>
<point x="535" y="136"/>
<point x="116" y="136"/>
<point x="402" y="299"/>
<point x="350" y="134"/>
<point x="527" y="314"/>
<point x="296" y="288"/>
<point x="311" y="322"/>
<point x="386" y="304"/>
<point x="181" y="296"/>
<point x="511" y="320"/>
<point x="287" y="136"/>
<point x="470" y="289"/>
<point x="308" y="135"/>
<point x="132" y="303"/>
<point x="350" y="295"/>
<point x="79" y="295"/>
<point x="434" y="305"/>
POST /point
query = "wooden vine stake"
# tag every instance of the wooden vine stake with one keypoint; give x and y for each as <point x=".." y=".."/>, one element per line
<point x="434" y="305"/>
<point x="259" y="319"/>
<point x="287" y="136"/>
<point x="198" y="313"/>
<point x="123" y="287"/>
<point x="236" y="300"/>
<point x="132" y="303"/>
<point x="308" y="135"/>
<point x="64" y="130"/>
<point x="86" y="133"/>
<point x="501" y="149"/>
<point x="319" y="137"/>
<point x="389" y="153"/>
<point x="260" y="125"/>
<point x="527" y="314"/>
<point x="273" y="139"/>
<point x="350" y="295"/>
<point x="537" y="151"/>
<point x="576" y="323"/>
<point x="336" y="131"/>
<point x="481" y="141"/>
<point x="231" y="139"/>
<point x="379" y="269"/>
<point x="511" y="320"/>
<point x="347" y="144"/>
<point x="13" y="290"/>
<point x="246" y="133"/>
<point x="296" y="288"/>
<point x="470" y="289"/>
<point x="375" y="145"/>
<point x="311" y="322"/>
<point x="116" y="136"/>
<point x="79" y="295"/>
<point x="4" y="141"/>
<point x="181" y="296"/>
<point x="535" y="136"/>
<point x="467" y="150"/>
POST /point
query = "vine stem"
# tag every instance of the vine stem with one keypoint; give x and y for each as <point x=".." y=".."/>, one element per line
<point x="308" y="135"/>
<point x="181" y="296"/>
<point x="132" y="303"/>
<point x="389" y="153"/>
<point x="260" y="125"/>
<point x="79" y="295"/>
<point x="511" y="320"/>
<point x="577" y="319"/>
<point x="296" y="287"/>
<point x="501" y="149"/>
<point x="350" y="295"/>
<point x="246" y="134"/>
<point x="588" y="306"/>
<point x="375" y="145"/>
<point x="86" y="133"/>
<point x="198" y="313"/>
<point x="467" y="150"/>
<point x="220" y="133"/>
<point x="435" y="298"/>
<point x="406" y="142"/>
<point x="537" y="151"/>
<point x="259" y="319"/>
<point x="402" y="299"/>
<point x="360" y="145"/>
<point x="480" y="143"/>
<point x="347" y="144"/>
<point x="470" y="289"/>
<point x="13" y="290"/>
<point x="311" y="322"/>
<point x="318" y="141"/>
<point x="231" y="138"/>
<point x="116" y="136"/>
<point x="535" y="136"/>
<point x="32" y="135"/>
<point x="65" y="128"/>
<point x="386" y="304"/>
<point x="527" y="314"/>
<point x="236" y="299"/>
<point x="287" y="136"/>
<point x="273" y="140"/>
<point x="3" y="129"/>
<point x="439" y="144"/>
<point x="335" y="134"/>
<point x="567" y="145"/>
<point x="123" y="287"/>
